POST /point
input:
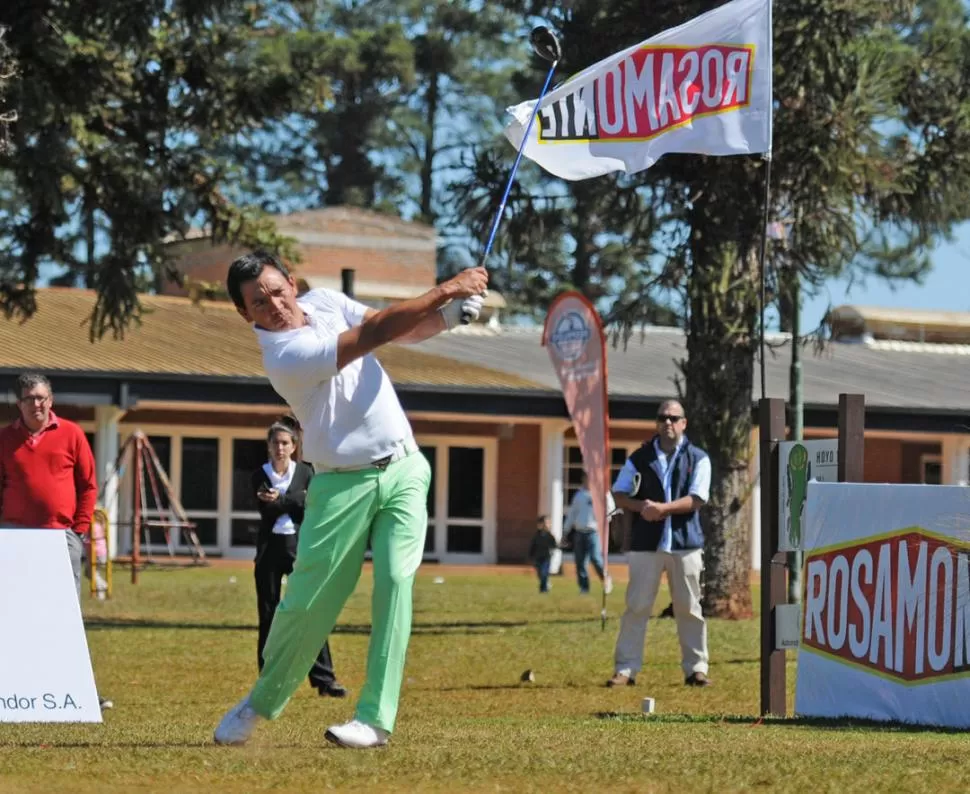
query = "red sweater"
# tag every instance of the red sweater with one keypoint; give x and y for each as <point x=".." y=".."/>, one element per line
<point x="47" y="480"/>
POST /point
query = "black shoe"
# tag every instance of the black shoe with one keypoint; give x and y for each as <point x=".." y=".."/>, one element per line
<point x="697" y="679"/>
<point x="105" y="704"/>
<point x="332" y="690"/>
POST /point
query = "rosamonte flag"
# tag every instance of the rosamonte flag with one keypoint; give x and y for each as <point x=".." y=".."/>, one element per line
<point x="703" y="87"/>
<point x="573" y="335"/>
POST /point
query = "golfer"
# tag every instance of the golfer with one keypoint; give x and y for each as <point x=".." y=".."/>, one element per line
<point x="371" y="480"/>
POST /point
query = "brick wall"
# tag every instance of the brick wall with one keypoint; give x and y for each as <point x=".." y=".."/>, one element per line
<point x="426" y="427"/>
<point x="518" y="492"/>
<point x="883" y="460"/>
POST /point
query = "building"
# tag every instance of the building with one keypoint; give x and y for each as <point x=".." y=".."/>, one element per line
<point x="495" y="431"/>
<point x="391" y="259"/>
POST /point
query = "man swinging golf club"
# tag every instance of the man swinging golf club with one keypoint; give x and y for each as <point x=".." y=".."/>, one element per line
<point x="371" y="481"/>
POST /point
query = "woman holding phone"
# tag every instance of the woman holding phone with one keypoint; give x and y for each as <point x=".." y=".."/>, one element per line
<point x="280" y="486"/>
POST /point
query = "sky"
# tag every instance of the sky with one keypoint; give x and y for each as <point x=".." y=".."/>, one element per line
<point x="947" y="287"/>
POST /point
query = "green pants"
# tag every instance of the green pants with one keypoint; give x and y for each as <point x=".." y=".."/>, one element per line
<point x="343" y="510"/>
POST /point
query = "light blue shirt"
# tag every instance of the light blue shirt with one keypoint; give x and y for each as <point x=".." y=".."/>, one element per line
<point x="581" y="515"/>
<point x="628" y="482"/>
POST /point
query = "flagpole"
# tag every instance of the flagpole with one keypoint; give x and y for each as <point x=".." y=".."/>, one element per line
<point x="763" y="274"/>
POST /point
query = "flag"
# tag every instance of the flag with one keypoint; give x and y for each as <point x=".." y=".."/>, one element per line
<point x="703" y="87"/>
<point x="573" y="335"/>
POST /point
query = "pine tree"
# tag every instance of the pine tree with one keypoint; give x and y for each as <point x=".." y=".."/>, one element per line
<point x="121" y="111"/>
<point x="871" y="166"/>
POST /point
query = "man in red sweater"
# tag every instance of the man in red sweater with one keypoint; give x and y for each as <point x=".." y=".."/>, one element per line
<point x="47" y="472"/>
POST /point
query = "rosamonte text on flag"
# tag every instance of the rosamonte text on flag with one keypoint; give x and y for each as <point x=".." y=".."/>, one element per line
<point x="703" y="87"/>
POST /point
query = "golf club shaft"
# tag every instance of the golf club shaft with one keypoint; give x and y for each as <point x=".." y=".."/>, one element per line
<point x="515" y="167"/>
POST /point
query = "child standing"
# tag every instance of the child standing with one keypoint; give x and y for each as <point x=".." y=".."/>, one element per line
<point x="540" y="551"/>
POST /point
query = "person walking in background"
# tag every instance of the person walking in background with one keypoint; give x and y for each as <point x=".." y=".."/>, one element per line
<point x="664" y="483"/>
<point x="587" y="546"/>
<point x="280" y="487"/>
<point x="540" y="551"/>
<point x="48" y="478"/>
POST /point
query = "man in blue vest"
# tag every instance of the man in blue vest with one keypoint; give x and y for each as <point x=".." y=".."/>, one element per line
<point x="664" y="484"/>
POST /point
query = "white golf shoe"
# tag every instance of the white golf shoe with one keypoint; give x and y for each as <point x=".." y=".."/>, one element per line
<point x="238" y="724"/>
<point x="357" y="735"/>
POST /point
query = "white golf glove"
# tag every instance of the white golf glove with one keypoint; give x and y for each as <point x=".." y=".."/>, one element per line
<point x="470" y="307"/>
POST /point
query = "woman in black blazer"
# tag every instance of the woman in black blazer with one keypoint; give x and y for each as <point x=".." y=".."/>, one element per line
<point x="280" y="488"/>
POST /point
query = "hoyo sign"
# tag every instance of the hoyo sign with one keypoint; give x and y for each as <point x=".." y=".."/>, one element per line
<point x="886" y="606"/>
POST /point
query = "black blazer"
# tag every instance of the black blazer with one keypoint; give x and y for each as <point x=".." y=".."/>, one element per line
<point x="293" y="502"/>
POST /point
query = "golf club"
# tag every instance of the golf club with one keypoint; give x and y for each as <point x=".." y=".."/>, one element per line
<point x="546" y="46"/>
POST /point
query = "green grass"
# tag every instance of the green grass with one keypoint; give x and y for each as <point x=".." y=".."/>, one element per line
<point x="175" y="651"/>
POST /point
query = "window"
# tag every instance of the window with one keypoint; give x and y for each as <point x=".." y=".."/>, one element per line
<point x="200" y="486"/>
<point x="573" y="476"/>
<point x="162" y="445"/>
<point x="573" y="467"/>
<point x="156" y="509"/>
<point x="466" y="467"/>
<point x="931" y="469"/>
<point x="466" y="491"/>
<point x="461" y="509"/>
<point x="247" y="456"/>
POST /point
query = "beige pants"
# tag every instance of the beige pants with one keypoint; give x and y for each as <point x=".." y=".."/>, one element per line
<point x="684" y="576"/>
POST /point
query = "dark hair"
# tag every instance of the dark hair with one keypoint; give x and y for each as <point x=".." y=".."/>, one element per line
<point x="248" y="267"/>
<point x="285" y="424"/>
<point x="28" y="380"/>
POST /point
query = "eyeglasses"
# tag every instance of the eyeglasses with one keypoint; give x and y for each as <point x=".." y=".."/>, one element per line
<point x="669" y="418"/>
<point x="34" y="399"/>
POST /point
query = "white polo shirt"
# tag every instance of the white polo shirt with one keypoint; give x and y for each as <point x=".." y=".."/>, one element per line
<point x="350" y="417"/>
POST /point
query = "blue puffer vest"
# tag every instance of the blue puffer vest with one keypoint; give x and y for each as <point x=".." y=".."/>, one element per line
<point x="685" y="528"/>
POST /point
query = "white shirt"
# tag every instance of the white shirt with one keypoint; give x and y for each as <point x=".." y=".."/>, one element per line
<point x="350" y="417"/>
<point x="627" y="481"/>
<point x="281" y="483"/>
<point x="581" y="515"/>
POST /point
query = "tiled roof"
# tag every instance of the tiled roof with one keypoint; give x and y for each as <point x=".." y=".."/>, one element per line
<point x="888" y="376"/>
<point x="177" y="337"/>
<point x="209" y="339"/>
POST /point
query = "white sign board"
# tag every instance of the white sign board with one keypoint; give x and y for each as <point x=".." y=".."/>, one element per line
<point x="798" y="463"/>
<point x="45" y="669"/>
<point x="886" y="622"/>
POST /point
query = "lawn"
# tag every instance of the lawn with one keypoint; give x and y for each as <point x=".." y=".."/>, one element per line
<point x="175" y="651"/>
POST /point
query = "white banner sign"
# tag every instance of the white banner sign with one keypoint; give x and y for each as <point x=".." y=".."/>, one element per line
<point x="45" y="669"/>
<point x="703" y="87"/>
<point x="886" y="620"/>
<point x="799" y="462"/>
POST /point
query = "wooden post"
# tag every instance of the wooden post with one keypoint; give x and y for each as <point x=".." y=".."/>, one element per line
<point x="771" y="420"/>
<point x="136" y="515"/>
<point x="852" y="437"/>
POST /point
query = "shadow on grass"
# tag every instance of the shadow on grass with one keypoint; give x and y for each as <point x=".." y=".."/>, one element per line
<point x="826" y="723"/>
<point x="93" y="743"/>
<point x="457" y="627"/>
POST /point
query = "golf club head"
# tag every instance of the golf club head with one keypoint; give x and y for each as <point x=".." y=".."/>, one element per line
<point x="545" y="44"/>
